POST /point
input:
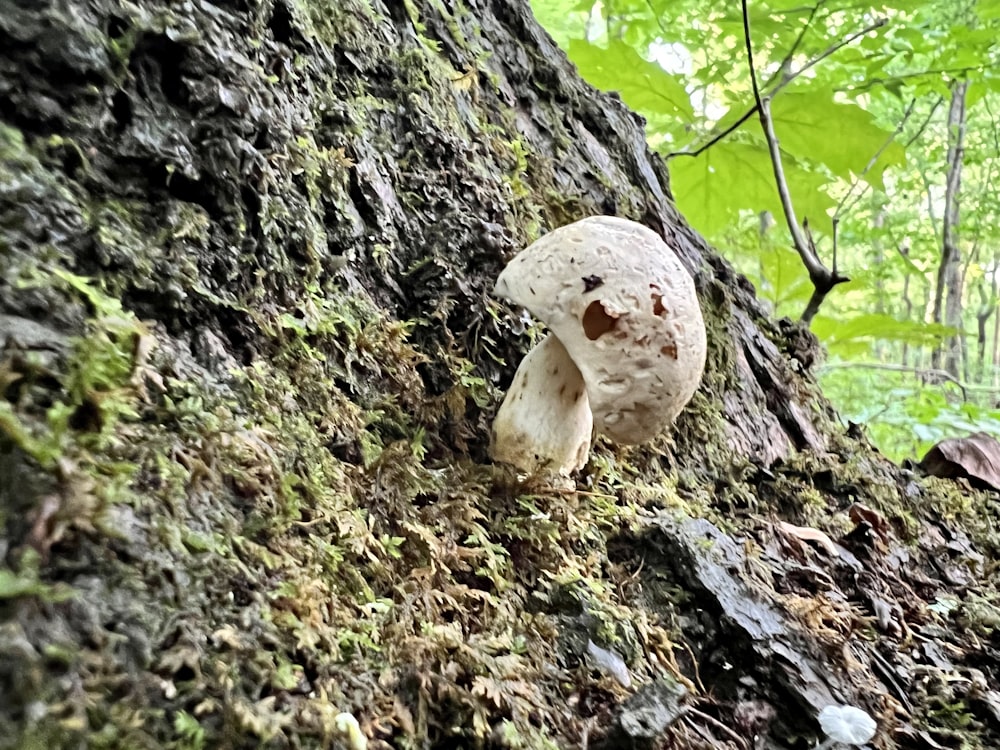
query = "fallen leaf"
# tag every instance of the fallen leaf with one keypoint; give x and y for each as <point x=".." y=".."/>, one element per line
<point x="976" y="457"/>
<point x="859" y="513"/>
<point x="807" y="534"/>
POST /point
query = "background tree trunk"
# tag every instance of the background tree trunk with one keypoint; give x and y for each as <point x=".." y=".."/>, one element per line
<point x="904" y="250"/>
<point x="948" y="295"/>
<point x="250" y="362"/>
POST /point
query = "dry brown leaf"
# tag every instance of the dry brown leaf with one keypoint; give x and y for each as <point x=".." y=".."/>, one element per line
<point x="467" y="80"/>
<point x="859" y="513"/>
<point x="976" y="457"/>
<point x="807" y="534"/>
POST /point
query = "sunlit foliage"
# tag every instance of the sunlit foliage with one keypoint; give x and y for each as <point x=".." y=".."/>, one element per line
<point x="860" y="97"/>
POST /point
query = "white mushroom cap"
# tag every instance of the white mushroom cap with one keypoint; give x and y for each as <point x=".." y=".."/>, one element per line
<point x="545" y="420"/>
<point x="847" y="724"/>
<point x="349" y="729"/>
<point x="625" y="308"/>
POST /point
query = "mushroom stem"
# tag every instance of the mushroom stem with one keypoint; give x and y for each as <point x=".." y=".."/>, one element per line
<point x="545" y="422"/>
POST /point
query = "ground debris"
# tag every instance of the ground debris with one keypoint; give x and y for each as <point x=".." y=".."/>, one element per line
<point x="643" y="719"/>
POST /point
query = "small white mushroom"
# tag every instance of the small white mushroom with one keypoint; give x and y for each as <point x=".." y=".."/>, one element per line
<point x="848" y="725"/>
<point x="625" y="310"/>
<point x="350" y="731"/>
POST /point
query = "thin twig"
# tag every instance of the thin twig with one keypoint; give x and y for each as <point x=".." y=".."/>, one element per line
<point x="313" y="522"/>
<point x="570" y="491"/>
<point x="731" y="733"/>
<point x="841" y="207"/>
<point x="749" y="46"/>
<point x="926" y="122"/>
<point x="774" y="149"/>
<point x="903" y="77"/>
<point x="823" y="279"/>
<point x="785" y="79"/>
<point x="694" y="665"/>
<point x="832" y="49"/>
<point x="786" y="63"/>
<point x="715" y="138"/>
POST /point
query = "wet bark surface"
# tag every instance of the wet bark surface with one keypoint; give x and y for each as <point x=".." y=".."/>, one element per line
<point x="249" y="362"/>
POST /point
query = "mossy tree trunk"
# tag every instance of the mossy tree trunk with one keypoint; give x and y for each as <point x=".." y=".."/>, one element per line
<point x="249" y="364"/>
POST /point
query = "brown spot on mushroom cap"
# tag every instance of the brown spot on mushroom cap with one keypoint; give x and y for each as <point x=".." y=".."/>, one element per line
<point x="596" y="321"/>
<point x="646" y="294"/>
<point x="659" y="309"/>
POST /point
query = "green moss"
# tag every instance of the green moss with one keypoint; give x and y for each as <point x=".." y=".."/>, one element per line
<point x="430" y="45"/>
<point x="97" y="384"/>
<point x="25" y="582"/>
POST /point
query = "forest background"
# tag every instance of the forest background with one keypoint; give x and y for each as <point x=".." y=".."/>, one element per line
<point x="885" y="118"/>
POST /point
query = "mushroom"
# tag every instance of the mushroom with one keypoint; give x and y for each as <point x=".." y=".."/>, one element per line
<point x="350" y="731"/>
<point x="624" y="322"/>
<point x="848" y="725"/>
<point x="545" y="421"/>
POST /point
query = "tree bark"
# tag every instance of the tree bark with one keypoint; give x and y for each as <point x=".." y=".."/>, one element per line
<point x="948" y="294"/>
<point x="987" y="306"/>
<point x="249" y="362"/>
<point x="904" y="250"/>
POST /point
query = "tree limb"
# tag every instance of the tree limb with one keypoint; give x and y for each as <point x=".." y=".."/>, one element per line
<point x="823" y="279"/>
<point x="902" y="77"/>
<point x="927" y="121"/>
<point x="786" y="78"/>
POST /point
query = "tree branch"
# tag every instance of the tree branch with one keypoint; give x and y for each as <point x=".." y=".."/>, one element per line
<point x="822" y="278"/>
<point x="902" y="77"/>
<point x="786" y="63"/>
<point x="833" y="48"/>
<point x="926" y="122"/>
<point x="786" y="78"/>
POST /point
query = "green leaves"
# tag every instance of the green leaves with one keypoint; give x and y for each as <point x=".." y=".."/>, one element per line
<point x="712" y="189"/>
<point x="821" y="140"/>
<point x="840" y="136"/>
<point x="854" y="336"/>
<point x="644" y="86"/>
<point x="563" y="19"/>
